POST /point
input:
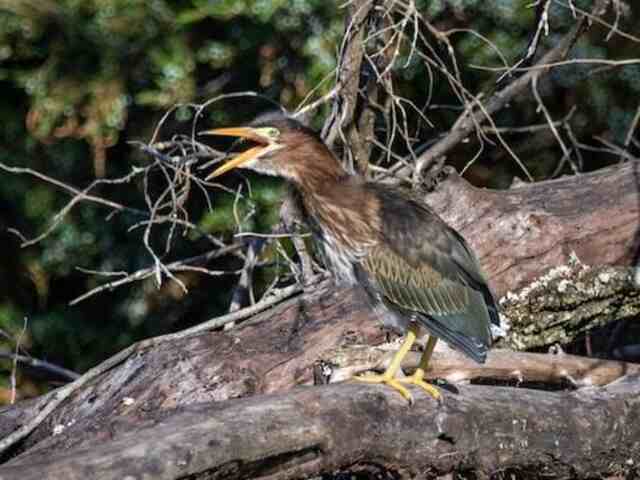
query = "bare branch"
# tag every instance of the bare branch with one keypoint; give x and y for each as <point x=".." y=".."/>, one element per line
<point x="41" y="365"/>
<point x="14" y="366"/>
<point x="481" y="112"/>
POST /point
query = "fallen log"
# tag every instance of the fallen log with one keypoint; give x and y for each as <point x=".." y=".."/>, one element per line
<point x="362" y="428"/>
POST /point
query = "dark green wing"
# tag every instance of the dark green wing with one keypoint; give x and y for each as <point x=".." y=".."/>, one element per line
<point x="424" y="268"/>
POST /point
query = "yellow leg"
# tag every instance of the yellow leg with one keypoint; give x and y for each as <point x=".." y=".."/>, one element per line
<point x="388" y="377"/>
<point x="418" y="376"/>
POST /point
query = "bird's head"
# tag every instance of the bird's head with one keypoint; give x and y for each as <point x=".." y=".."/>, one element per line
<point x="281" y="146"/>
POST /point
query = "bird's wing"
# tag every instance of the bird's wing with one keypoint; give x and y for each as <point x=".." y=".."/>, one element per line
<point x="426" y="269"/>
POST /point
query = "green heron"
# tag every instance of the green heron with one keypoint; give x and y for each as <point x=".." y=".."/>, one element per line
<point x="416" y="270"/>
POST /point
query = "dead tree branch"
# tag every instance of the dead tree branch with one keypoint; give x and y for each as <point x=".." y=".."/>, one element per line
<point x="170" y="400"/>
<point x="470" y="119"/>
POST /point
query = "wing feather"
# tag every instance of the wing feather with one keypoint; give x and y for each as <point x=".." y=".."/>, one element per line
<point x="425" y="269"/>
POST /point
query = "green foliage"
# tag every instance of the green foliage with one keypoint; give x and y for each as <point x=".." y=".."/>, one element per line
<point x="79" y="78"/>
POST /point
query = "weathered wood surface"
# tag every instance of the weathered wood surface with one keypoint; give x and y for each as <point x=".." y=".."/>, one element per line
<point x="272" y="352"/>
<point x="521" y="233"/>
<point x="567" y="302"/>
<point x="355" y="427"/>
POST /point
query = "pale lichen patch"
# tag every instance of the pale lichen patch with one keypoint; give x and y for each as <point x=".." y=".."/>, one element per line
<point x="566" y="301"/>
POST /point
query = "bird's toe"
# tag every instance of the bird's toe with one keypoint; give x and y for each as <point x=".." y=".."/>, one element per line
<point x="427" y="387"/>
<point x="387" y="380"/>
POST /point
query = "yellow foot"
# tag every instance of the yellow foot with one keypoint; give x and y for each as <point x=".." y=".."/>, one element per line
<point x="388" y="380"/>
<point x="416" y="379"/>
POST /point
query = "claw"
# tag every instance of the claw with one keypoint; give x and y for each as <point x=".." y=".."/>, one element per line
<point x="416" y="379"/>
<point x="387" y="380"/>
<point x="389" y="376"/>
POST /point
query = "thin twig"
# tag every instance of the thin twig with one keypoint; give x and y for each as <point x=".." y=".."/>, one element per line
<point x="149" y="271"/>
<point x="14" y="366"/>
<point x="632" y="128"/>
<point x="500" y="98"/>
<point x="41" y="365"/>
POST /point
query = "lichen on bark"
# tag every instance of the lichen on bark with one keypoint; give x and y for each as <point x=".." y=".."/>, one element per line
<point x="567" y="301"/>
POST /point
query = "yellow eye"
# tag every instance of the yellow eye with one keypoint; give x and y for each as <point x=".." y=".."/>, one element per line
<point x="272" y="133"/>
<point x="269" y="133"/>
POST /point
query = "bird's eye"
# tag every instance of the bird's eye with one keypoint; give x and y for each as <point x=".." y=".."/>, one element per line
<point x="273" y="133"/>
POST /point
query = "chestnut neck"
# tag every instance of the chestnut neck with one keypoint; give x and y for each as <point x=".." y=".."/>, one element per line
<point x="316" y="168"/>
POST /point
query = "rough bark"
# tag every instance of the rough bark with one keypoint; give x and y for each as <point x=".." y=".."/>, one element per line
<point x="355" y="428"/>
<point x="281" y="348"/>
<point x="567" y="302"/>
<point x="521" y="233"/>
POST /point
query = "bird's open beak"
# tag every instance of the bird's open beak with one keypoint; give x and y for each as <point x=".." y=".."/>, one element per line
<point x="244" y="157"/>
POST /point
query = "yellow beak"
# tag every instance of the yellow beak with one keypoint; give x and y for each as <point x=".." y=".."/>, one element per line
<point x="244" y="157"/>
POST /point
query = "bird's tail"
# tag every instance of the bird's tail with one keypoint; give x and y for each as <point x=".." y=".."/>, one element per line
<point x="470" y="346"/>
<point x="465" y="331"/>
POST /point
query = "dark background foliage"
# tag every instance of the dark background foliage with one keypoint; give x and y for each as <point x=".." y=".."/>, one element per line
<point x="80" y="79"/>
